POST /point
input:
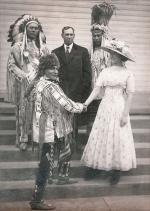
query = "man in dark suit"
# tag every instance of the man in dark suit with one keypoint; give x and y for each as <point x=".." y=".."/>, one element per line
<point x="74" y="72"/>
<point x="75" y="68"/>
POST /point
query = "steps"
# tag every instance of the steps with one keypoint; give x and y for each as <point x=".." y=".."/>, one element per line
<point x="21" y="191"/>
<point x="17" y="169"/>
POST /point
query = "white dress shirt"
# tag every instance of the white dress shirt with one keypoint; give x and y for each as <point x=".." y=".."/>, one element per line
<point x="70" y="47"/>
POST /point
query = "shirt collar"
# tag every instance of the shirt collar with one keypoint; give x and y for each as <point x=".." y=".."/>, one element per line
<point x="70" y="47"/>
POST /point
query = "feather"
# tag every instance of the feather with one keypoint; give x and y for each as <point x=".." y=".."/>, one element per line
<point x="19" y="27"/>
<point x="102" y="13"/>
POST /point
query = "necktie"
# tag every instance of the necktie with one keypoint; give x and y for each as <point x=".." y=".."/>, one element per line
<point x="67" y="53"/>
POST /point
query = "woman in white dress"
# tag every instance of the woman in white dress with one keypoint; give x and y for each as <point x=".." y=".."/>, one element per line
<point x="110" y="145"/>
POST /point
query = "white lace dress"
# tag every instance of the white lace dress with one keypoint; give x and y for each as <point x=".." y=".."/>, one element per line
<point x="110" y="146"/>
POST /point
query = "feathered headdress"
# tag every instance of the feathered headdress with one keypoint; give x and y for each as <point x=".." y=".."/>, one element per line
<point x="17" y="33"/>
<point x="100" y="17"/>
<point x="102" y="13"/>
<point x="17" y="29"/>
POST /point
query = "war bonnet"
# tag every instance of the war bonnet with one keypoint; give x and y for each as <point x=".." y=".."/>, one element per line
<point x="101" y="15"/>
<point x="18" y="28"/>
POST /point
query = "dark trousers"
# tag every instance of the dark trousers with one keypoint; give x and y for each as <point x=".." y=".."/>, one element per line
<point x="42" y="173"/>
<point x="75" y="130"/>
<point x="47" y="156"/>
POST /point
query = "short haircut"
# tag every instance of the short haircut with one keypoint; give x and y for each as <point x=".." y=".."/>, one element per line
<point x="66" y="28"/>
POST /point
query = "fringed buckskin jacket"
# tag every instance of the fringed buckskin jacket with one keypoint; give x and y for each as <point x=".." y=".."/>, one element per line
<point x="53" y="112"/>
<point x="21" y="70"/>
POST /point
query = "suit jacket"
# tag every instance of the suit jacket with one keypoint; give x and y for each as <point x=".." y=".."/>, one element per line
<point x="75" y="73"/>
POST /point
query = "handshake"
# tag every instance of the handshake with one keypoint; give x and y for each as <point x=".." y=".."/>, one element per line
<point x="84" y="107"/>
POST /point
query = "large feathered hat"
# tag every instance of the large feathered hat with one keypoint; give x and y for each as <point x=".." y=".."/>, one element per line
<point x="118" y="47"/>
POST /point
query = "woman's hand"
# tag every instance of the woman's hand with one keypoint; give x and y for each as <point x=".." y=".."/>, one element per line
<point x="84" y="107"/>
<point x="123" y="121"/>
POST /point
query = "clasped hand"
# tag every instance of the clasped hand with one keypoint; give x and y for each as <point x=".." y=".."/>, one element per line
<point x="84" y="108"/>
<point x="123" y="121"/>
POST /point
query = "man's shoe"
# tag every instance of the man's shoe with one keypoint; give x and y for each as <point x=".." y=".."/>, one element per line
<point x="66" y="182"/>
<point x="23" y="146"/>
<point x="41" y="206"/>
